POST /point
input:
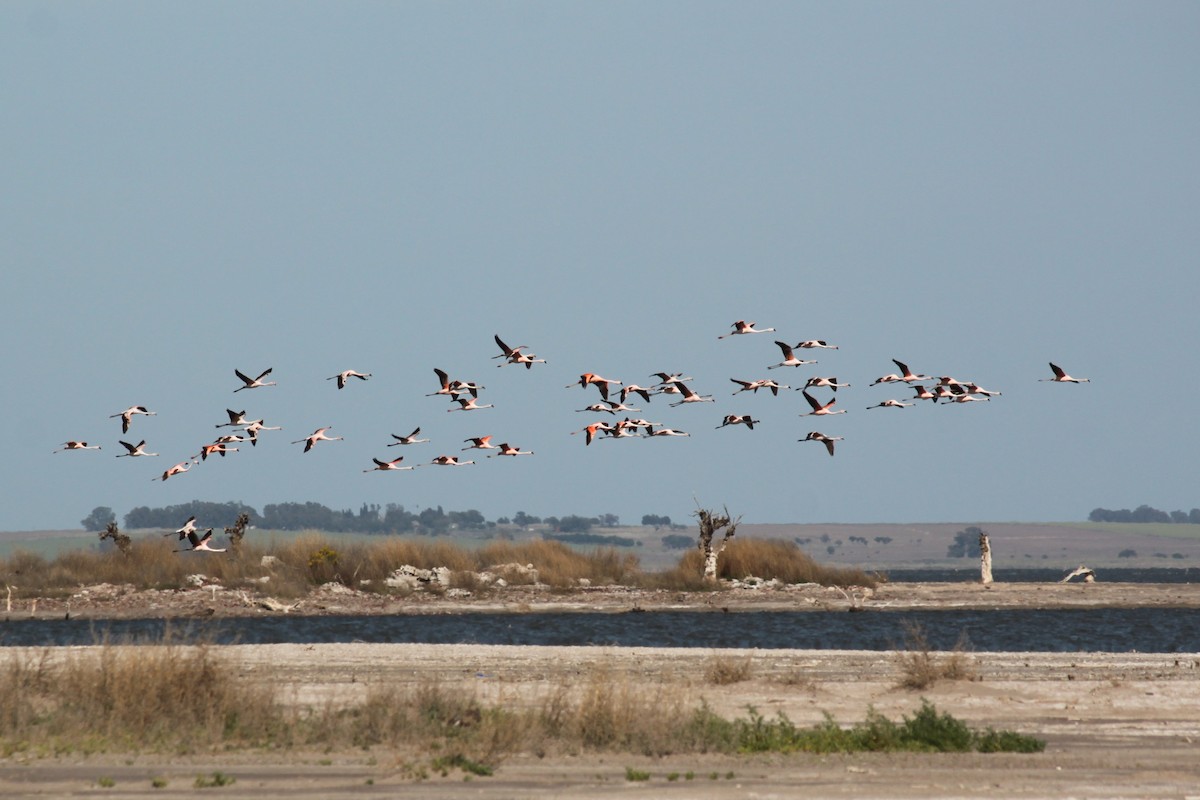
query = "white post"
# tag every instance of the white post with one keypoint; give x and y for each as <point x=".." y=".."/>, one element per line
<point x="985" y="559"/>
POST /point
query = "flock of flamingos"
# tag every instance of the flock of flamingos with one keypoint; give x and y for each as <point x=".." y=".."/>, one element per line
<point x="614" y="399"/>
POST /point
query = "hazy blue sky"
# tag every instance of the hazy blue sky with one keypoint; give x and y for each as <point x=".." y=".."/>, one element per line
<point x="973" y="188"/>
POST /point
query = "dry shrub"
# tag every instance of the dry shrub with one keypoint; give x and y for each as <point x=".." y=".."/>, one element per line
<point x="165" y="698"/>
<point x="920" y="668"/>
<point x="722" y="670"/>
<point x="560" y="566"/>
<point x="773" y="558"/>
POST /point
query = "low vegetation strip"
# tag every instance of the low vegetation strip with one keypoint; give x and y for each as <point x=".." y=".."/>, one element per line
<point x="178" y="699"/>
<point x="293" y="567"/>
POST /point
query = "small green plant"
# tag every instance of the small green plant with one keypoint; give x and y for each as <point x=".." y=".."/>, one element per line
<point x="215" y="780"/>
<point x="105" y="782"/>
<point x="444" y="764"/>
<point x="159" y="783"/>
<point x="689" y="776"/>
<point x="632" y="774"/>
<point x="672" y="776"/>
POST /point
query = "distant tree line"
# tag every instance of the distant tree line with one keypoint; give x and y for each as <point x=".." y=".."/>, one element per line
<point x="1144" y="513"/>
<point x="370" y="518"/>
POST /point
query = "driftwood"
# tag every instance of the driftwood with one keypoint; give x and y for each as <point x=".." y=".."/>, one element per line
<point x="237" y="531"/>
<point x="1088" y="575"/>
<point x="710" y="524"/>
<point x="123" y="542"/>
<point x="985" y="559"/>
<point x="269" y="603"/>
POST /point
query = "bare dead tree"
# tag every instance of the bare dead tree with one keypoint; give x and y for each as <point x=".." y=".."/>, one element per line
<point x="122" y="541"/>
<point x="237" y="531"/>
<point x="985" y="559"/>
<point x="710" y="524"/>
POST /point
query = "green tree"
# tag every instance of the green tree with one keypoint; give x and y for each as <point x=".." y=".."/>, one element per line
<point x="966" y="544"/>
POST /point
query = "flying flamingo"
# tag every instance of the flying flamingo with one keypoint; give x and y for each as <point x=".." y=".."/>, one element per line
<point x="974" y="388"/>
<point x="387" y="466"/>
<point x="755" y="385"/>
<point x="345" y="375"/>
<point x="480" y="443"/>
<point x="831" y="383"/>
<point x="135" y="450"/>
<point x="591" y="430"/>
<point x="924" y="394"/>
<point x="632" y="388"/>
<point x="317" y="436"/>
<point x="462" y="387"/>
<point x="236" y="419"/>
<point x="410" y="439"/>
<point x="220" y="448"/>
<point x="253" y="383"/>
<point x="609" y="407"/>
<point x="513" y="355"/>
<point x="188" y="527"/>
<point x="691" y="397"/>
<point x="665" y="432"/>
<point x="891" y="378"/>
<point x="75" y="445"/>
<point x="741" y="326"/>
<point x="816" y="436"/>
<point x="201" y="543"/>
<point x="668" y="378"/>
<point x="255" y="426"/>
<point x="507" y="449"/>
<point x="443" y="385"/>
<point x="449" y="461"/>
<point x="819" y="410"/>
<point x="127" y="416"/>
<point x="968" y="398"/>
<point x="907" y="375"/>
<point x="893" y="403"/>
<point x="590" y="378"/>
<point x="469" y="404"/>
<point x="734" y="419"/>
<point x="1062" y="377"/>
<point x="789" y="357"/>
<point x="178" y="469"/>
<point x="816" y="344"/>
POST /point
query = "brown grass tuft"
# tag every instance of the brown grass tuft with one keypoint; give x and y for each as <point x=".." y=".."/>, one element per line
<point x="723" y="670"/>
<point x="920" y="668"/>
<point x="772" y="558"/>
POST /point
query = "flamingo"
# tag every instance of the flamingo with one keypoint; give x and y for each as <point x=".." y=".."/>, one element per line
<point x="590" y="378"/>
<point x="188" y="527"/>
<point x="669" y="378"/>
<point x="789" y="357"/>
<point x="236" y="419"/>
<point x="741" y="326"/>
<point x="232" y="438"/>
<point x="480" y="443"/>
<point x="816" y="344"/>
<point x="462" y="387"/>
<point x="178" y="469"/>
<point x="924" y="394"/>
<point x="761" y="383"/>
<point x="317" y="436"/>
<point x="665" y="432"/>
<point x="76" y="445"/>
<point x="410" y="439"/>
<point x="634" y="424"/>
<point x="942" y="393"/>
<point x="513" y="355"/>
<point x="254" y="427"/>
<point x="443" y="385"/>
<point x="974" y="388"/>
<point x="831" y="383"/>
<point x="220" y="448"/>
<point x="387" y="466"/>
<point x="135" y="450"/>
<point x="253" y="383"/>
<point x="345" y="375"/>
<point x="816" y="436"/>
<point x="507" y="449"/>
<point x="893" y="403"/>
<point x="201" y="543"/>
<point x="691" y="397"/>
<point x="609" y="407"/>
<point x="734" y="419"/>
<point x="968" y="398"/>
<point x="127" y="416"/>
<point x="449" y="461"/>
<point x="907" y="375"/>
<point x="1062" y="377"/>
<point x="891" y="378"/>
<point x="819" y="410"/>
<point x="591" y="430"/>
<point x="469" y="404"/>
<point x="632" y="388"/>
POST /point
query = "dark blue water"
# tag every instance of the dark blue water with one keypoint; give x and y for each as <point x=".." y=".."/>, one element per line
<point x="970" y="574"/>
<point x="1150" y="630"/>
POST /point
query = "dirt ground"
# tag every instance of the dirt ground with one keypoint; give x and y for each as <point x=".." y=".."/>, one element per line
<point x="1116" y="725"/>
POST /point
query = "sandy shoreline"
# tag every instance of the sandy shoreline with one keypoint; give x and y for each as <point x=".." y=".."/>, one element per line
<point x="1116" y="725"/>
